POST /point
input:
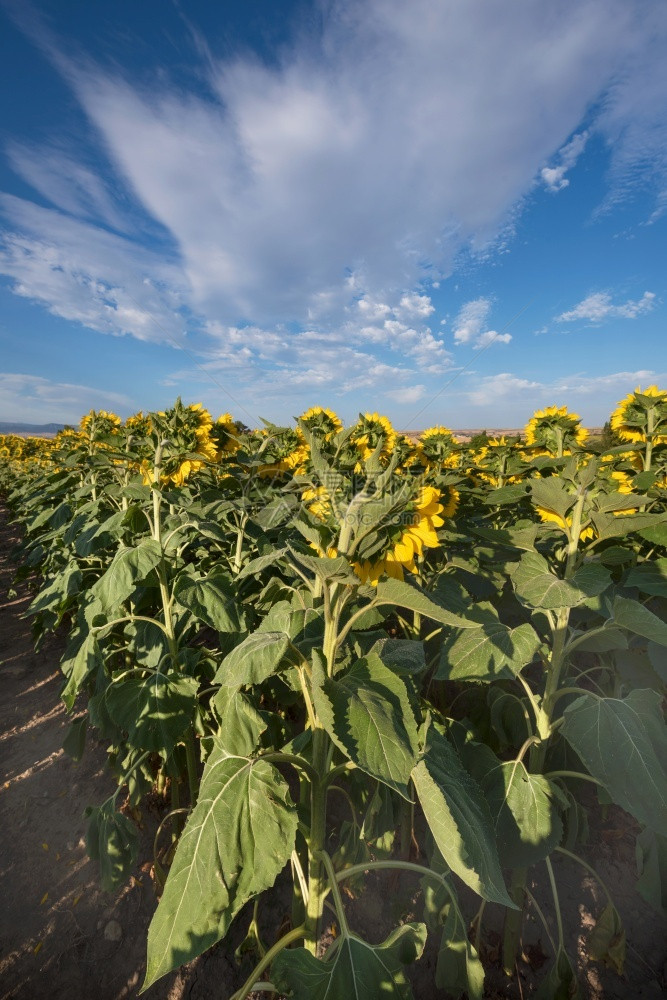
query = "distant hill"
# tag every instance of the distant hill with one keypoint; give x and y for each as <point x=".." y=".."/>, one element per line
<point x="37" y="429"/>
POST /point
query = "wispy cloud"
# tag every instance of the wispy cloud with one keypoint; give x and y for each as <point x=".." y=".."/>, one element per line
<point x="554" y="177"/>
<point x="471" y="322"/>
<point x="42" y="401"/>
<point x="599" y="306"/>
<point x="523" y="393"/>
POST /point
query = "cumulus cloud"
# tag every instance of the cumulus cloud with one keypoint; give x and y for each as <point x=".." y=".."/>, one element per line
<point x="599" y="306"/>
<point x="554" y="177"/>
<point x="42" y="401"/>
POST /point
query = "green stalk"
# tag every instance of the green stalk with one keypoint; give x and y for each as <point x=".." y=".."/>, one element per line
<point x="317" y="886"/>
<point x="650" y="430"/>
<point x="265" y="962"/>
<point x="557" y="661"/>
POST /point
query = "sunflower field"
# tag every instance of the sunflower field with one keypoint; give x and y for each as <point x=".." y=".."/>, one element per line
<point x="450" y="641"/>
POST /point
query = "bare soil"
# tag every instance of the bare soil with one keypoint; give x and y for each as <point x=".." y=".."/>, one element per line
<point x="62" y="937"/>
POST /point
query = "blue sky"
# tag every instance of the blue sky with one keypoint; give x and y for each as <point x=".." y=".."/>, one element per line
<point x="450" y="211"/>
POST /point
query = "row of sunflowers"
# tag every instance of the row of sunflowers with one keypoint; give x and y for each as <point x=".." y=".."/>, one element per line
<point x="454" y="637"/>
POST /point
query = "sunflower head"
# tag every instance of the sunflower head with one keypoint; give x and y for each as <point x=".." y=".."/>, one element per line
<point x="406" y="540"/>
<point x="372" y="431"/>
<point x="225" y="435"/>
<point x="184" y="432"/>
<point x="555" y="431"/>
<point x="322" y="422"/>
<point x="99" y="424"/>
<point x="437" y="447"/>
<point x="642" y="416"/>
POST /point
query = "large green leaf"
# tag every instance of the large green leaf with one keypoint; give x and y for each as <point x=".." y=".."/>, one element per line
<point x="458" y="968"/>
<point x="404" y="595"/>
<point x="113" y="840"/>
<point x="637" y="619"/>
<point x="368" y="715"/>
<point x="128" y="568"/>
<point x="459" y="818"/>
<point x="552" y="494"/>
<point x="76" y="668"/>
<point x="238" y="838"/>
<point x="240" y="724"/>
<point x="488" y="653"/>
<point x="650" y="577"/>
<point x="617" y="526"/>
<point x="537" y="587"/>
<point x="155" y="711"/>
<point x="259" y="656"/>
<point x="623" y="744"/>
<point x="403" y="656"/>
<point x="358" y="970"/>
<point x="211" y="599"/>
<point x="525" y="818"/>
<point x="256" y="566"/>
<point x="62" y="586"/>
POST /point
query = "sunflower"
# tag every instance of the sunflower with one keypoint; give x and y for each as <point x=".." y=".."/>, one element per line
<point x="186" y="431"/>
<point x="437" y="447"/>
<point x="428" y="514"/>
<point x="317" y="502"/>
<point x="373" y="430"/>
<point x="642" y="416"/>
<point x="322" y="421"/>
<point x="225" y="435"/>
<point x="554" y="431"/>
<point x="98" y="424"/>
<point x="492" y="459"/>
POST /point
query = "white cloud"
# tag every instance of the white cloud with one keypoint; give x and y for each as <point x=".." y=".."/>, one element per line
<point x="495" y="387"/>
<point x="599" y="306"/>
<point x="41" y="401"/>
<point x="554" y="177"/>
<point x="470" y="320"/>
<point x="491" y="337"/>
<point x="410" y="394"/>
<point x="469" y="325"/>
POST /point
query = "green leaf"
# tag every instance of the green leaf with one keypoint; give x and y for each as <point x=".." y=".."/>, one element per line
<point x="651" y="851"/>
<point x="491" y="652"/>
<point x="602" y="642"/>
<point x="650" y="577"/>
<point x="458" y="969"/>
<point x="367" y="714"/>
<point x="403" y="656"/>
<point x="326" y="568"/>
<point x="397" y="592"/>
<point x="211" y="599"/>
<point x="561" y="981"/>
<point x="658" y="660"/>
<point x="617" y="526"/>
<point x="240" y="724"/>
<point x="113" y="840"/>
<point x="237" y="839"/>
<point x="155" y="711"/>
<point x="506" y="494"/>
<point x="256" y="566"/>
<point x="624" y="745"/>
<point x="357" y="970"/>
<point x="86" y="660"/>
<point x="74" y="743"/>
<point x="459" y="819"/>
<point x="552" y="494"/>
<point x="606" y="942"/>
<point x="128" y="568"/>
<point x="524" y="813"/>
<point x="656" y="535"/>
<point x="638" y="619"/>
<point x="537" y="587"/>
<point x="260" y="655"/>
